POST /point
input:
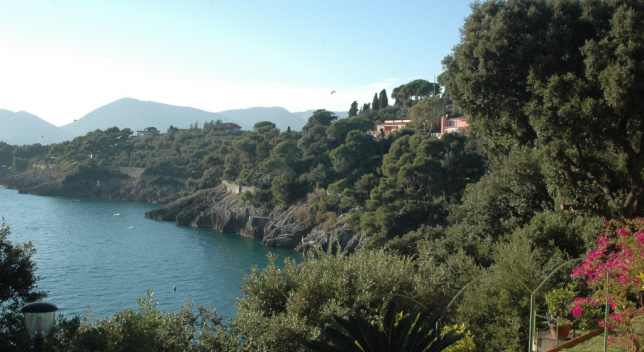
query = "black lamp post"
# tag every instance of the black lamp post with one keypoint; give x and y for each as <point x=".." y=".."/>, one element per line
<point x="39" y="319"/>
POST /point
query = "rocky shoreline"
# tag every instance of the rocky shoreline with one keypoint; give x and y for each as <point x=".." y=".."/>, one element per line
<point x="213" y="208"/>
<point x="119" y="187"/>
<point x="224" y="212"/>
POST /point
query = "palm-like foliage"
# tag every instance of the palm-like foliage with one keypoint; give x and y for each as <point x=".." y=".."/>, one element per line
<point x="417" y="331"/>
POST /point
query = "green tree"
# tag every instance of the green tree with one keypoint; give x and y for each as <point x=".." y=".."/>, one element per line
<point x="421" y="176"/>
<point x="353" y="110"/>
<point x="563" y="77"/>
<point x="319" y="117"/>
<point x="340" y="128"/>
<point x="315" y="145"/>
<point x="415" y="90"/>
<point x="375" y="105"/>
<point x="383" y="101"/>
<point x="511" y="193"/>
<point x="426" y="115"/>
<point x="358" y="156"/>
<point x="17" y="288"/>
<point x="6" y="154"/>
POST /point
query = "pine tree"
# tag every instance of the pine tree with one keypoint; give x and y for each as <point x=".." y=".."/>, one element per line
<point x="383" y="101"/>
<point x="374" y="104"/>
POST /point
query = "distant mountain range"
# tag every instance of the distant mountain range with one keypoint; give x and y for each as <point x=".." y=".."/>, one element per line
<point x="19" y="128"/>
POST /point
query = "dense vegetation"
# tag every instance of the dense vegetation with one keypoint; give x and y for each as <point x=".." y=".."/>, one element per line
<point x="176" y="153"/>
<point x="552" y="90"/>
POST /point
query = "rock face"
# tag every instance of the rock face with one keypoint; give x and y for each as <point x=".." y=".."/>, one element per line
<point x="224" y="212"/>
<point x="214" y="209"/>
<point x="341" y="238"/>
<point x="119" y="187"/>
<point x="283" y="230"/>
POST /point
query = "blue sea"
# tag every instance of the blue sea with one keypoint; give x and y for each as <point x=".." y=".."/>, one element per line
<point x="104" y="255"/>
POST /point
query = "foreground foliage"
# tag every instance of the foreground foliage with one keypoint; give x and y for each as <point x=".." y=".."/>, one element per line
<point x="418" y="330"/>
<point x="148" y="329"/>
<point x="17" y="288"/>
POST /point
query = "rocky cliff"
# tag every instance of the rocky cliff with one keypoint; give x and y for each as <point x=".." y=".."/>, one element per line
<point x="224" y="212"/>
<point x="119" y="186"/>
<point x="340" y="237"/>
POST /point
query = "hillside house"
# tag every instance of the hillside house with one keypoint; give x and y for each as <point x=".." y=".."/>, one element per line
<point x="148" y="132"/>
<point x="384" y="129"/>
<point x="452" y="124"/>
<point x="226" y="128"/>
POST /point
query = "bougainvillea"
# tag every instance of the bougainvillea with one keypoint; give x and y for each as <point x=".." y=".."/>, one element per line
<point x="614" y="270"/>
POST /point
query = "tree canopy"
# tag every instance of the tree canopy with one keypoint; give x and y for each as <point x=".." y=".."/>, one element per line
<point x="416" y="89"/>
<point x="566" y="78"/>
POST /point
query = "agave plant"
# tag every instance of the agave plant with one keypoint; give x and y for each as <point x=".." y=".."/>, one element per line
<point x="417" y="330"/>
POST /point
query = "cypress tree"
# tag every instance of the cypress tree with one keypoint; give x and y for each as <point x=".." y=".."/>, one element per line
<point x="374" y="104"/>
<point x="383" y="102"/>
<point x="353" y="111"/>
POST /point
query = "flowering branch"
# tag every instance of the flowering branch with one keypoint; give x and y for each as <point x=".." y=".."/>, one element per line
<point x="615" y="271"/>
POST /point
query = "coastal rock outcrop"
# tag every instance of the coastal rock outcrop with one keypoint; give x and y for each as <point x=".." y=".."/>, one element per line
<point x="219" y="210"/>
<point x="117" y="186"/>
<point x="340" y="237"/>
<point x="214" y="209"/>
<point x="283" y="230"/>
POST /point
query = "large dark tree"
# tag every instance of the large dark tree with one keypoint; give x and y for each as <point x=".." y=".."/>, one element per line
<point x="383" y="101"/>
<point x="421" y="176"/>
<point x="17" y="288"/>
<point x="415" y="90"/>
<point x="353" y="111"/>
<point x="564" y="77"/>
<point x="426" y="115"/>
<point x="375" y="104"/>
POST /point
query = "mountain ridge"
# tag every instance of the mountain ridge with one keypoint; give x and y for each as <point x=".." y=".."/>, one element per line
<point x="20" y="128"/>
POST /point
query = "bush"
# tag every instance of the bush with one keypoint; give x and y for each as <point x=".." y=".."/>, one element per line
<point x="281" y="306"/>
<point x="149" y="329"/>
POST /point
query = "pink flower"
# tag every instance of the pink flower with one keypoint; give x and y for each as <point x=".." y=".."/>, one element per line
<point x="602" y="323"/>
<point x="639" y="236"/>
<point x="577" y="311"/>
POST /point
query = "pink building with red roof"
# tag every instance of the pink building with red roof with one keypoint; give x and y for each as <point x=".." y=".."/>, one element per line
<point x="453" y="124"/>
<point x="385" y="128"/>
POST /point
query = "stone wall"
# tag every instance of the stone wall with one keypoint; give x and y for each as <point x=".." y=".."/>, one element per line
<point x="236" y="189"/>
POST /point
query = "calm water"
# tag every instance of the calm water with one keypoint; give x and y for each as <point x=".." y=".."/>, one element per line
<point x="107" y="254"/>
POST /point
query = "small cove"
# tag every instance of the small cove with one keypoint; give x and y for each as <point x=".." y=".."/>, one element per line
<point x="106" y="254"/>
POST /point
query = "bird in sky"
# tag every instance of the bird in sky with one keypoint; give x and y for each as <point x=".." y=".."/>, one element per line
<point x="332" y="92"/>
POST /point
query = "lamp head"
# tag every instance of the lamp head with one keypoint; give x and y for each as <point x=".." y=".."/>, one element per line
<point x="39" y="318"/>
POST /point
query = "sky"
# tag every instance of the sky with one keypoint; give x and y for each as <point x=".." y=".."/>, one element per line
<point x="61" y="59"/>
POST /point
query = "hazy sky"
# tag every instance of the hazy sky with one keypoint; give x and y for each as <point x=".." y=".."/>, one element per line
<point x="61" y="59"/>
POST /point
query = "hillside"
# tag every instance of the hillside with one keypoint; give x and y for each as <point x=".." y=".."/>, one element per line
<point x="138" y="115"/>
<point x="20" y="128"/>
